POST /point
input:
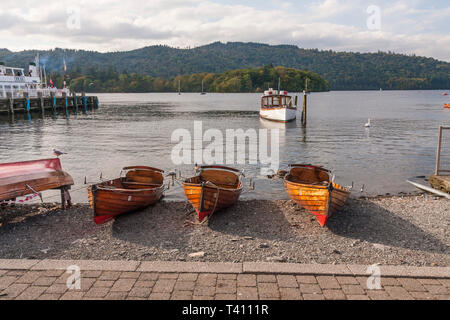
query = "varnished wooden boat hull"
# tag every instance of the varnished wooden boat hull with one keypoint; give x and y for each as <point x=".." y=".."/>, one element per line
<point x="40" y="175"/>
<point x="209" y="198"/>
<point x="320" y="200"/>
<point x="112" y="198"/>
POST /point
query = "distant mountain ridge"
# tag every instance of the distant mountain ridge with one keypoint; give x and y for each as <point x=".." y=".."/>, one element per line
<point x="343" y="70"/>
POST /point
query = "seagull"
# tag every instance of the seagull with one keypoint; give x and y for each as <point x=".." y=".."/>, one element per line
<point x="58" y="153"/>
<point x="368" y="125"/>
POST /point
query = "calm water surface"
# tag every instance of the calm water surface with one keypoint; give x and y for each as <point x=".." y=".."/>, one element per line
<point x="132" y="129"/>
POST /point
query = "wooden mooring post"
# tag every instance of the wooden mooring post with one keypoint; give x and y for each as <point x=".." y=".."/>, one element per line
<point x="304" y="108"/>
<point x="441" y="178"/>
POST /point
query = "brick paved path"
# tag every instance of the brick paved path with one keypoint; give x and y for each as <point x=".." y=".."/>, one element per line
<point x="95" y="284"/>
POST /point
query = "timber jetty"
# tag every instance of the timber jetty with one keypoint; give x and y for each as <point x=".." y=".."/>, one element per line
<point x="76" y="102"/>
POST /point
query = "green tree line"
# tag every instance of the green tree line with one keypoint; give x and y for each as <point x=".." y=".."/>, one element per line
<point x="241" y="80"/>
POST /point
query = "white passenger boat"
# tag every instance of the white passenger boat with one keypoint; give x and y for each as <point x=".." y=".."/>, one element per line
<point x="16" y="82"/>
<point x="277" y="105"/>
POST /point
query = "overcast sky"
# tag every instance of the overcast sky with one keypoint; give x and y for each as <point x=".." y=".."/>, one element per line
<point x="404" y="26"/>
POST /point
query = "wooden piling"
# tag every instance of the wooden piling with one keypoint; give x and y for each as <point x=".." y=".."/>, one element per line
<point x="438" y="152"/>
<point x="304" y="108"/>
<point x="10" y="103"/>
<point x="75" y="102"/>
<point x="41" y="103"/>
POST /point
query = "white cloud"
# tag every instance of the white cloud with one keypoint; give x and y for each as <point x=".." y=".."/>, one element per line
<point x="108" y="25"/>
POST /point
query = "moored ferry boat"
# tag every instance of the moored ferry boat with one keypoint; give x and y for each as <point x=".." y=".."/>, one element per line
<point x="277" y="105"/>
<point x="16" y="81"/>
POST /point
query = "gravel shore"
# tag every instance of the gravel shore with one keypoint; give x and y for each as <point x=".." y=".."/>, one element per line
<point x="398" y="230"/>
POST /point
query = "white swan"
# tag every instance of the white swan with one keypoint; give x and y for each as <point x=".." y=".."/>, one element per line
<point x="368" y="125"/>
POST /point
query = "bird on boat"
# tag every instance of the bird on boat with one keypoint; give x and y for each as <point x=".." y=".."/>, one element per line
<point x="58" y="153"/>
<point x="368" y="125"/>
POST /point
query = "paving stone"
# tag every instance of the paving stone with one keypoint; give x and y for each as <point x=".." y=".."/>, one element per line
<point x="188" y="277"/>
<point x="87" y="283"/>
<point x="246" y="280"/>
<point x="117" y="295"/>
<point x="181" y="295"/>
<point x="290" y="294"/>
<point x="44" y="281"/>
<point x="389" y="281"/>
<point x="225" y="296"/>
<point x="90" y="274"/>
<point x="72" y="295"/>
<point x="164" y="286"/>
<point x="50" y="296"/>
<point x="202" y="298"/>
<point x="184" y="285"/>
<point x="207" y="279"/>
<point x="227" y="276"/>
<point x="333" y="294"/>
<point x="436" y="289"/>
<point x="129" y="275"/>
<point x="429" y="281"/>
<point x="6" y="281"/>
<point x="346" y="280"/>
<point x="31" y="293"/>
<point x="226" y="286"/>
<point x="148" y="276"/>
<point x="311" y="296"/>
<point x="52" y="273"/>
<point x="378" y="295"/>
<point x="204" y="291"/>
<point x="97" y="292"/>
<point x="287" y="281"/>
<point x="352" y="289"/>
<point x="109" y="275"/>
<point x="159" y="296"/>
<point x="420" y="295"/>
<point x="309" y="288"/>
<point x="445" y="282"/>
<point x="266" y="278"/>
<point x="29" y="277"/>
<point x="16" y="272"/>
<point x="123" y="285"/>
<point x="328" y="282"/>
<point x="411" y="284"/>
<point x="268" y="290"/>
<point x="142" y="292"/>
<point x="168" y="276"/>
<point x="14" y="290"/>
<point x="56" y="288"/>
<point x="145" y="283"/>
<point x="398" y="293"/>
<point x="247" y="293"/>
<point x="2" y="272"/>
<point x="306" y="279"/>
<point x="103" y="283"/>
<point x="357" y="297"/>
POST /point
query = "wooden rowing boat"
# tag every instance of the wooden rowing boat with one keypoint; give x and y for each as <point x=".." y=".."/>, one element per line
<point x="18" y="179"/>
<point x="311" y="187"/>
<point x="212" y="189"/>
<point x="140" y="187"/>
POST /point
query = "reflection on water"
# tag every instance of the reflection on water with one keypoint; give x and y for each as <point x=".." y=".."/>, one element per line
<point x="131" y="129"/>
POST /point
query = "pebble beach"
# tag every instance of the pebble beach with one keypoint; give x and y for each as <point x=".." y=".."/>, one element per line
<point x="391" y="230"/>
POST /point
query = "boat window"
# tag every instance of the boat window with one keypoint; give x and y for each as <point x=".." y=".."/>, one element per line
<point x="276" y="101"/>
<point x="289" y="101"/>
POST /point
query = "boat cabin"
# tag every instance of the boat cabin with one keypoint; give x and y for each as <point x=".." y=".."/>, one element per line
<point x="276" y="99"/>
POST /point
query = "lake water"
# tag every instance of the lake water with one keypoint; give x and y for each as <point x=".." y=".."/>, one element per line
<point x="136" y="129"/>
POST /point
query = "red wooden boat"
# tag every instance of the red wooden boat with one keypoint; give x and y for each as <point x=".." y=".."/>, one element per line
<point x="212" y="189"/>
<point x="311" y="187"/>
<point x="141" y="187"/>
<point x="19" y="179"/>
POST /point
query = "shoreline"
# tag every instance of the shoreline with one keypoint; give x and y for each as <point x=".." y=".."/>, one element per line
<point x="390" y="230"/>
